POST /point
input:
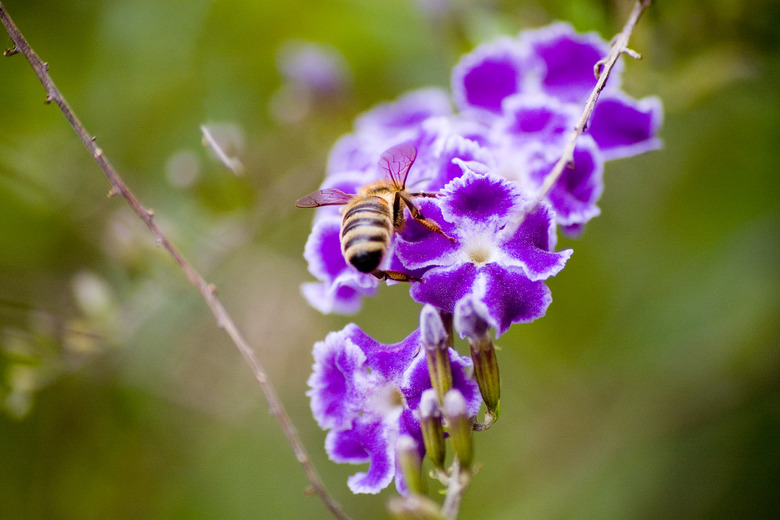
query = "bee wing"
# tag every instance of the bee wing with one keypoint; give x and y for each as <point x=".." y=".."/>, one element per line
<point x="326" y="197"/>
<point x="397" y="161"/>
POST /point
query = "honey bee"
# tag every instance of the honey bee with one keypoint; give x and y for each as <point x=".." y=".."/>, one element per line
<point x="371" y="216"/>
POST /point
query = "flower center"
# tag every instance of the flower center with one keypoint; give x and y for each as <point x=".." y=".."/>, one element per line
<point x="479" y="249"/>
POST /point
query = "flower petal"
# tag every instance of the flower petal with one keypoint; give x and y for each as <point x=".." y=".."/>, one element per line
<point x="329" y="299"/>
<point x="458" y="152"/>
<point x="489" y="74"/>
<point x="482" y="200"/>
<point x="333" y="394"/>
<point x="623" y="127"/>
<point x="406" y="112"/>
<point x="417" y="247"/>
<point x="510" y="296"/>
<point x="530" y="247"/>
<point x="342" y="287"/>
<point x="569" y="59"/>
<point x="535" y="118"/>
<point x="366" y="442"/>
<point x="442" y="287"/>
<point x="323" y="249"/>
<point x="579" y="188"/>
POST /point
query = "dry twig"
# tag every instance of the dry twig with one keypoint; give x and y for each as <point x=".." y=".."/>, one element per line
<point x="207" y="290"/>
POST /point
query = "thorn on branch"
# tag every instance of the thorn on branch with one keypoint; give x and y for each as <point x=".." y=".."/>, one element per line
<point x="113" y="192"/>
<point x="232" y="163"/>
<point x="10" y="52"/>
<point x="48" y="100"/>
<point x="598" y="68"/>
<point x="632" y="53"/>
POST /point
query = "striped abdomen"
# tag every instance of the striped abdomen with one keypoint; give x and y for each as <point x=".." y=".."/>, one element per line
<point x="366" y="230"/>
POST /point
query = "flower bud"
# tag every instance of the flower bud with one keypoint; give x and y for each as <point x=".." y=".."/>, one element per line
<point x="454" y="409"/>
<point x="470" y="323"/>
<point x="411" y="464"/>
<point x="432" y="429"/>
<point x="436" y="340"/>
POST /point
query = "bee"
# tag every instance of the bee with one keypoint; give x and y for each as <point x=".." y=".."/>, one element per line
<point x="371" y="216"/>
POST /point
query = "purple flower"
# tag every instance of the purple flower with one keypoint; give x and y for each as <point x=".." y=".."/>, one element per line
<point x="622" y="126"/>
<point x="568" y="61"/>
<point x="491" y="73"/>
<point x="340" y="288"/>
<point x="314" y="67"/>
<point x="501" y="264"/>
<point x="366" y="393"/>
<point x="388" y="124"/>
<point x="518" y="100"/>
<point x="455" y="153"/>
<point x="574" y="196"/>
<point x="528" y="94"/>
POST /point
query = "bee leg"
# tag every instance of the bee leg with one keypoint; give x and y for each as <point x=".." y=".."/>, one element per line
<point x="395" y="275"/>
<point x="433" y="226"/>
<point x="417" y="214"/>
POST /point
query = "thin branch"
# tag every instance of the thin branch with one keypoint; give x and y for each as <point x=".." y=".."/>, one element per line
<point x="207" y="290"/>
<point x="457" y="484"/>
<point x="602" y="70"/>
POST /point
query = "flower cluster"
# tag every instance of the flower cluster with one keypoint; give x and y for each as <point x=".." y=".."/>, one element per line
<point x="366" y="394"/>
<point x="485" y="151"/>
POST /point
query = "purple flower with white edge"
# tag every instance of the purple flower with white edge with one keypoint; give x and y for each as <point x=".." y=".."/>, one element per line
<point x="528" y="92"/>
<point x="533" y="119"/>
<point x="491" y="73"/>
<point x="530" y="138"/>
<point x="340" y="287"/>
<point x="502" y="264"/>
<point x="568" y="61"/>
<point x="407" y="112"/>
<point x="385" y="125"/>
<point x="518" y="100"/>
<point x="353" y="160"/>
<point x="574" y="196"/>
<point x="455" y="152"/>
<point x="623" y="126"/>
<point x="366" y="393"/>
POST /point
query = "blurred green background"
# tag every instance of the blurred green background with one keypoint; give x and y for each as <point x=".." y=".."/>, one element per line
<point x="650" y="390"/>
